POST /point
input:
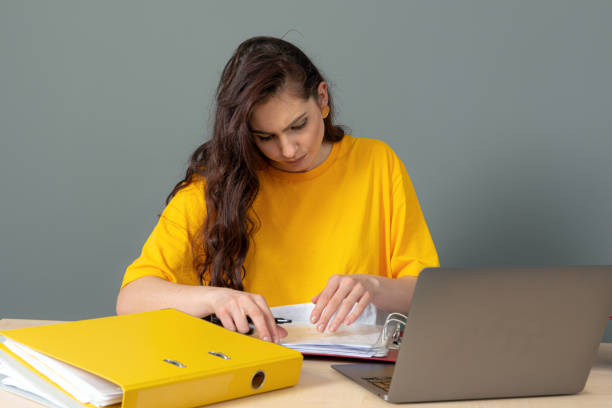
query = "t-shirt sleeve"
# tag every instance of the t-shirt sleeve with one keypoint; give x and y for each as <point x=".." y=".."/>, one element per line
<point x="412" y="248"/>
<point x="168" y="253"/>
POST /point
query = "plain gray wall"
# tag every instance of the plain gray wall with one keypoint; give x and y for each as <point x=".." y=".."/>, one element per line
<point x="501" y="111"/>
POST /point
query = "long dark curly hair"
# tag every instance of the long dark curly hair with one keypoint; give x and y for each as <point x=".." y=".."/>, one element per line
<point x="228" y="162"/>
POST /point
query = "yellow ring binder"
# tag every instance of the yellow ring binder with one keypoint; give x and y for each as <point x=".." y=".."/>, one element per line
<point x="132" y="352"/>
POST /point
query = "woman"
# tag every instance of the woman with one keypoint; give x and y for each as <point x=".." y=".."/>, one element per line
<point x="281" y="207"/>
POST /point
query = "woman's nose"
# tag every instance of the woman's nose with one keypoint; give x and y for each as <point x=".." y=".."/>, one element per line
<point x="288" y="148"/>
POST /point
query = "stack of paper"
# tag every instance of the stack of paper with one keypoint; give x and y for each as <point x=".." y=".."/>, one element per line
<point x="357" y="340"/>
<point x="360" y="339"/>
<point x="83" y="386"/>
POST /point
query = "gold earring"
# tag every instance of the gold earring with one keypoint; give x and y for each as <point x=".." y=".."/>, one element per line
<point x="325" y="112"/>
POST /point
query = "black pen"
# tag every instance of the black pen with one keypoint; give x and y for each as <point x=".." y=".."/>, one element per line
<point x="214" y="319"/>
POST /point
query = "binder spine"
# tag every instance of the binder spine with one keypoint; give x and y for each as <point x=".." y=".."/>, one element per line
<point x="216" y="387"/>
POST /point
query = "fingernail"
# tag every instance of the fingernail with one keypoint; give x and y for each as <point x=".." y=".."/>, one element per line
<point x="266" y="339"/>
<point x="320" y="327"/>
<point x="333" y="328"/>
<point x="313" y="319"/>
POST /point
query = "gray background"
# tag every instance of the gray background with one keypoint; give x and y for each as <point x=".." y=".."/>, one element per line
<point x="501" y="111"/>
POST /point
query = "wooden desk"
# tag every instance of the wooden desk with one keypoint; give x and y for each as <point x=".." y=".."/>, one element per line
<point x="322" y="386"/>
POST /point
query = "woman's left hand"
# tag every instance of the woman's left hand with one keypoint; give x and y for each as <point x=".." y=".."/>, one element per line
<point x="339" y="296"/>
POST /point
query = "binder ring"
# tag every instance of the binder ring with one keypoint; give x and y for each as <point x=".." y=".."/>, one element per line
<point x="391" y="331"/>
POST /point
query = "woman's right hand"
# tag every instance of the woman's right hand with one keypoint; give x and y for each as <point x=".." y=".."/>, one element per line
<point x="233" y="306"/>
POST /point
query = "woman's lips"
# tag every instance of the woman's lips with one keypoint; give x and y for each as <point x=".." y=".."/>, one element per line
<point x="296" y="162"/>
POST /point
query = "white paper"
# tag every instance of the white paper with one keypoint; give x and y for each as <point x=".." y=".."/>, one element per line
<point x="360" y="339"/>
<point x="300" y="313"/>
<point x="13" y="378"/>
<point x="82" y="385"/>
<point x="18" y="379"/>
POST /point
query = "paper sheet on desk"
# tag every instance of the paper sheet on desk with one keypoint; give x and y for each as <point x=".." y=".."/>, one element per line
<point x="360" y="339"/>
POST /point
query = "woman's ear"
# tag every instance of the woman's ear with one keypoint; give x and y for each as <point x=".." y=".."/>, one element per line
<point x="322" y="92"/>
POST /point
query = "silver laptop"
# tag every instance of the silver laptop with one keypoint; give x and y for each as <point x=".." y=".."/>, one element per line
<point x="495" y="333"/>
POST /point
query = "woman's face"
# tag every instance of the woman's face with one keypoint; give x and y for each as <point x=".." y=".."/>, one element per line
<point x="289" y="130"/>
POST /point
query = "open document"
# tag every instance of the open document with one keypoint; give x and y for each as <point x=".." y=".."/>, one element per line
<point x="364" y="338"/>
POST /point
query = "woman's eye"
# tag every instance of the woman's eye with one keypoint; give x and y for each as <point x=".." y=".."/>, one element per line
<point x="300" y="126"/>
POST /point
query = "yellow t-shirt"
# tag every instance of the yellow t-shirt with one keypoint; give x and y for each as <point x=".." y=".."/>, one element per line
<point x="357" y="212"/>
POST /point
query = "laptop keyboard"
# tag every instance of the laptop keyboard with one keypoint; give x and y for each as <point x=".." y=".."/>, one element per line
<point x="381" y="382"/>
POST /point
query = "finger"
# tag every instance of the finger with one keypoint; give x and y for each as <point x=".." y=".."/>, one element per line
<point x="226" y="320"/>
<point x="261" y="326"/>
<point x="315" y="298"/>
<point x="334" y="304"/>
<point x="282" y="332"/>
<point x="240" y="320"/>
<point x="324" y="297"/>
<point x="269" y="318"/>
<point x="345" y="308"/>
<point x="261" y="316"/>
<point x="363" y="302"/>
